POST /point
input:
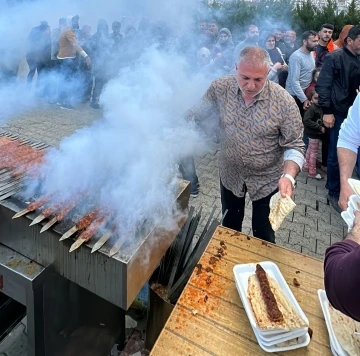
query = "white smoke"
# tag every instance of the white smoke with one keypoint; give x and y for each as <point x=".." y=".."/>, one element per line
<point x="127" y="160"/>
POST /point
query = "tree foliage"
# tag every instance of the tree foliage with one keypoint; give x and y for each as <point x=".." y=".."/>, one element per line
<point x="267" y="14"/>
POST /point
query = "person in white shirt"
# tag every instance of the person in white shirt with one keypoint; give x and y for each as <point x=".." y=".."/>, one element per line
<point x="347" y="150"/>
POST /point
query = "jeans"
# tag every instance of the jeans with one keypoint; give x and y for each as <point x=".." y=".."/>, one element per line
<point x="67" y="85"/>
<point x="235" y="207"/>
<point x="188" y="171"/>
<point x="333" y="173"/>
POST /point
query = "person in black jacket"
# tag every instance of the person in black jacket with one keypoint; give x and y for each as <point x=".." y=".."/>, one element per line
<point x="338" y="80"/>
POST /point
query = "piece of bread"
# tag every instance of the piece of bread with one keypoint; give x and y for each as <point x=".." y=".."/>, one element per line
<point x="279" y="209"/>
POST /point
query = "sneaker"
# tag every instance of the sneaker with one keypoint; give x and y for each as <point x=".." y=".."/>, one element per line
<point x="334" y="200"/>
<point x="66" y="107"/>
<point x="94" y="105"/>
<point x="194" y="194"/>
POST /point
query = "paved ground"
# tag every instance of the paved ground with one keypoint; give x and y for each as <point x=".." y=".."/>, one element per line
<point x="310" y="229"/>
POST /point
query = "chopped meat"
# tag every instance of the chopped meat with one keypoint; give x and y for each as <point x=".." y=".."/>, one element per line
<point x="206" y="298"/>
<point x="310" y="332"/>
<point x="213" y="260"/>
<point x="218" y="255"/>
<point x="296" y="282"/>
<point x="272" y="308"/>
<point x="93" y="228"/>
<point x="222" y="243"/>
<point x="208" y="269"/>
<point x="221" y="251"/>
<point x="86" y="220"/>
<point x="199" y="267"/>
<point x="208" y="280"/>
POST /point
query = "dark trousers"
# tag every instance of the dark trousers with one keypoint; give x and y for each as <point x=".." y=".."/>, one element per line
<point x="188" y="171"/>
<point x="32" y="63"/>
<point x="236" y="209"/>
<point x="99" y="83"/>
<point x="333" y="173"/>
<point x="300" y="106"/>
<point x="67" y="86"/>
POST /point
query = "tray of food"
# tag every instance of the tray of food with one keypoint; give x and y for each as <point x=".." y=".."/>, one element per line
<point x="341" y="328"/>
<point x="355" y="185"/>
<point x="275" y="315"/>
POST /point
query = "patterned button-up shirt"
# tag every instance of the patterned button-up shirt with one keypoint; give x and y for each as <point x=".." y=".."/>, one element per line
<point x="253" y="138"/>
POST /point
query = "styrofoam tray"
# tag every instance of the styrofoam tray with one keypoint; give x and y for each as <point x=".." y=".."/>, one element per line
<point x="324" y="302"/>
<point x="280" y="337"/>
<point x="354" y="200"/>
<point x="302" y="341"/>
<point x="355" y="185"/>
<point x="348" y="219"/>
<point x="242" y="272"/>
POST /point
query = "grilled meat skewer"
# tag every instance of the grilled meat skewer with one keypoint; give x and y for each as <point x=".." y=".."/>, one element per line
<point x="82" y="224"/>
<point x="31" y="207"/>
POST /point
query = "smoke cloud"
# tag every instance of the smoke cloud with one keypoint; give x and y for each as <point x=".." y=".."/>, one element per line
<point x="127" y="160"/>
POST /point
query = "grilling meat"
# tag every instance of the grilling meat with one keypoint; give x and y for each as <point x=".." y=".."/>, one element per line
<point x="18" y="156"/>
<point x="93" y="228"/>
<point x="272" y="308"/>
<point x="86" y="220"/>
<point x="37" y="204"/>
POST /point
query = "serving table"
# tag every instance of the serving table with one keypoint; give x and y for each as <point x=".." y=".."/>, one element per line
<point x="209" y="318"/>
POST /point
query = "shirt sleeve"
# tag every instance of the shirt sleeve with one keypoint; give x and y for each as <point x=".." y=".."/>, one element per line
<point x="70" y="35"/>
<point x="205" y="108"/>
<point x="349" y="136"/>
<point x="295" y="65"/>
<point x="291" y="130"/>
<point x="342" y="280"/>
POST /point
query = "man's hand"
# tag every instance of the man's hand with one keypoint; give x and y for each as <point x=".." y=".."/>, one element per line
<point x="345" y="193"/>
<point x="285" y="187"/>
<point x="329" y="121"/>
<point x="306" y="104"/>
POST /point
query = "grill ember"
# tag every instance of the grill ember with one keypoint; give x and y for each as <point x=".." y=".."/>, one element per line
<point x="20" y="159"/>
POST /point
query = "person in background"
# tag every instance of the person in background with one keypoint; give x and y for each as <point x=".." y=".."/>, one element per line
<point x="38" y="50"/>
<point x="252" y="39"/>
<point x="326" y="44"/>
<point x="338" y="82"/>
<point x="100" y="47"/>
<point x="279" y="42"/>
<point x="347" y="150"/>
<point x="277" y="61"/>
<point x="342" y="261"/>
<point x="69" y="47"/>
<point x="301" y="66"/>
<point x="203" y="25"/>
<point x="116" y="36"/>
<point x="343" y="34"/>
<point x="290" y="44"/>
<point x="84" y="35"/>
<point x="262" y="163"/>
<point x="314" y="130"/>
<point x="213" y="27"/>
<point x="223" y="52"/>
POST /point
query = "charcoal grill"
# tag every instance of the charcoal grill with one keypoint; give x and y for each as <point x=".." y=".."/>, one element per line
<point x="69" y="296"/>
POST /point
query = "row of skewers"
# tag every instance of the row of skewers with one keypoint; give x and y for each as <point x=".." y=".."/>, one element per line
<point x="88" y="225"/>
<point x="19" y="157"/>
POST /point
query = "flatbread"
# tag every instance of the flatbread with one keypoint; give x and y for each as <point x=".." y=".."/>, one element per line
<point x="279" y="209"/>
<point x="344" y="328"/>
<point x="292" y="319"/>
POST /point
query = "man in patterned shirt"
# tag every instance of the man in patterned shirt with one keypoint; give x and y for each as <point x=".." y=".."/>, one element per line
<point x="261" y="147"/>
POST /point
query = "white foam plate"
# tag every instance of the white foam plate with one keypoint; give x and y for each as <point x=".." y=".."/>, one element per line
<point x="279" y="338"/>
<point x="242" y="273"/>
<point x="355" y="185"/>
<point x="348" y="219"/>
<point x="302" y="341"/>
<point x="335" y="345"/>
<point x="354" y="200"/>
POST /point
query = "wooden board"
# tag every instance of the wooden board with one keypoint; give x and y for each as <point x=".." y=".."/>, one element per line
<point x="221" y="326"/>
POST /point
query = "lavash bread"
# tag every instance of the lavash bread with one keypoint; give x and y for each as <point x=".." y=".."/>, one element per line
<point x="292" y="319"/>
<point x="279" y="209"/>
<point x="344" y="328"/>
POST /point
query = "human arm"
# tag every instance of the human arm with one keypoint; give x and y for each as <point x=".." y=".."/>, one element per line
<point x="294" y="73"/>
<point x="323" y="87"/>
<point x="205" y="107"/>
<point x="291" y="133"/>
<point x="342" y="262"/>
<point x="348" y="144"/>
<point x="70" y="35"/>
